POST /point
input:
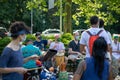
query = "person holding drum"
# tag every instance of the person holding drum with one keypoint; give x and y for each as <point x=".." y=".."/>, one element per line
<point x="59" y="46"/>
<point x="74" y="47"/>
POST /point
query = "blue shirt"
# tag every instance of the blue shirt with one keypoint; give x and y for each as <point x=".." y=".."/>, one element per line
<point x="42" y="44"/>
<point x="11" y="59"/>
<point x="28" y="51"/>
<point x="91" y="74"/>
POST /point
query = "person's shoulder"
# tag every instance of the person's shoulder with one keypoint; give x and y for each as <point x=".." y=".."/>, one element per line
<point x="52" y="43"/>
<point x="61" y="43"/>
<point x="34" y="42"/>
<point x="84" y="32"/>
<point x="37" y="48"/>
<point x="71" y="41"/>
<point x="7" y="49"/>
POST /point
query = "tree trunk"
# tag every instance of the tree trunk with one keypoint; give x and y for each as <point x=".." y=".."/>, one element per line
<point x="67" y="19"/>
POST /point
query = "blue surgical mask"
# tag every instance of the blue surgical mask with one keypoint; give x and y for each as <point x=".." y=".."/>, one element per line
<point x="77" y="37"/>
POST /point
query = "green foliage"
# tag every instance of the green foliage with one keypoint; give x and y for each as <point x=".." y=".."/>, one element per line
<point x="3" y="43"/>
<point x="48" y="37"/>
<point x="66" y="38"/>
<point x="30" y="36"/>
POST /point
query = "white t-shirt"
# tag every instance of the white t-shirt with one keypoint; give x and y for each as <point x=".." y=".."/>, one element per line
<point x="85" y="38"/>
<point x="116" y="47"/>
<point x="109" y="35"/>
<point x="60" y="46"/>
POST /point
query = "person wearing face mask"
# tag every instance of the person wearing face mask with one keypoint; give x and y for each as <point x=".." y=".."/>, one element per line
<point x="57" y="45"/>
<point x="11" y="59"/>
<point x="116" y="48"/>
<point x="40" y="42"/>
<point x="74" y="47"/>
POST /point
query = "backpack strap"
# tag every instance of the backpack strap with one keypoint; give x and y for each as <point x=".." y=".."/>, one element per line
<point x="99" y="32"/>
<point x="89" y="33"/>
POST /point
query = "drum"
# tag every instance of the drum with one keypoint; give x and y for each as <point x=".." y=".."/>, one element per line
<point x="59" y="60"/>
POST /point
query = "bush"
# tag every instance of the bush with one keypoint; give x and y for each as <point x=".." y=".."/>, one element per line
<point x="48" y="37"/>
<point x="66" y="38"/>
<point x="4" y="42"/>
<point x="30" y="36"/>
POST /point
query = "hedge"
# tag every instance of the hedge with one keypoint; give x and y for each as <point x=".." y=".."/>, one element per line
<point x="65" y="38"/>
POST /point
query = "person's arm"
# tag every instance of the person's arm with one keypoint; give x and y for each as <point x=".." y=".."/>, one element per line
<point x="82" y="49"/>
<point x="72" y="52"/>
<point x="11" y="70"/>
<point x="63" y="48"/>
<point x="110" y="74"/>
<point x="53" y="45"/>
<point x="83" y="42"/>
<point x="33" y="57"/>
<point x="81" y="68"/>
<point x="4" y="60"/>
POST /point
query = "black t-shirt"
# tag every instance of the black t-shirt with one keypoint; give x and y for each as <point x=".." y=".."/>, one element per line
<point x="42" y="44"/>
<point x="74" y="46"/>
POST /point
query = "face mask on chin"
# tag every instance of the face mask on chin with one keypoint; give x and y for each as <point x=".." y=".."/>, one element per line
<point x="23" y="38"/>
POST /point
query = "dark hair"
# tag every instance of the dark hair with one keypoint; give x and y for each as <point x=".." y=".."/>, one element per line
<point x="94" y="20"/>
<point x="16" y="27"/>
<point x="98" y="53"/>
<point x="101" y="23"/>
<point x="38" y="33"/>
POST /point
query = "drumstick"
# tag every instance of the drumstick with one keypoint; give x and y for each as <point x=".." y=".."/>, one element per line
<point x="34" y="69"/>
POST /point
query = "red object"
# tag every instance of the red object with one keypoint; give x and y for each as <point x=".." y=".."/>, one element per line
<point x="92" y="39"/>
<point x="38" y="62"/>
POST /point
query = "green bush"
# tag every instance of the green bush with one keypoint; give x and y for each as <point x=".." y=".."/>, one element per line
<point x="66" y="38"/>
<point x="4" y="42"/>
<point x="48" y="37"/>
<point x="30" y="36"/>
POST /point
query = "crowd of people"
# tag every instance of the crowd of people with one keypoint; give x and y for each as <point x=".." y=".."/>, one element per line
<point x="95" y="43"/>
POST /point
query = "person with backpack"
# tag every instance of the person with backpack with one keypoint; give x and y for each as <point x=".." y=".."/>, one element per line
<point x="89" y="36"/>
<point x="96" y="67"/>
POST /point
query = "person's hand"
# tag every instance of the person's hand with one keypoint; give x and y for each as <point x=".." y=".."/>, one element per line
<point x="21" y="70"/>
<point x="34" y="57"/>
<point x="55" y="46"/>
<point x="79" y="53"/>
